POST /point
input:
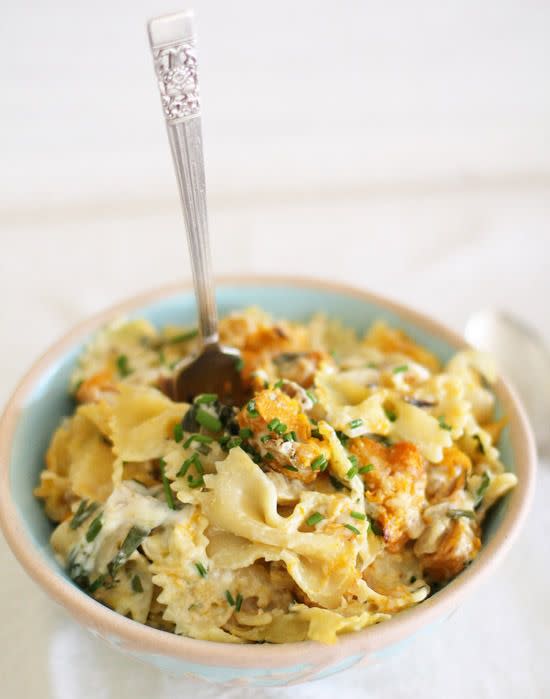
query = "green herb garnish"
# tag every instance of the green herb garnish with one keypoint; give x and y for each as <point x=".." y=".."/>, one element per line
<point x="94" y="529"/>
<point x="82" y="513"/>
<point x="400" y="369"/>
<point x="239" y="364"/>
<point x="136" y="584"/>
<point x="178" y="432"/>
<point x="353" y="424"/>
<point x="234" y="442"/>
<point x="366" y="469"/>
<point x="272" y="424"/>
<point x="122" y="365"/>
<point x="358" y="515"/>
<point x="251" y="408"/>
<point x="443" y="424"/>
<point x="312" y="397"/>
<point x="265" y="438"/>
<point x="202" y="438"/>
<point x="291" y="468"/>
<point x="280" y="429"/>
<point x="314" y="519"/>
<point x="390" y="414"/>
<point x="183" y="337"/>
<point x="353" y="459"/>
<point x="202" y="570"/>
<point x="229" y="598"/>
<point x="245" y="433"/>
<point x="238" y="602"/>
<point x="320" y="463"/>
<point x="485" y="480"/>
<point x="278" y="384"/>
<point x="166" y="485"/>
<point x="353" y="471"/>
<point x="456" y="514"/>
<point x="195" y="482"/>
<point x="208" y="421"/>
<point x="352" y="528"/>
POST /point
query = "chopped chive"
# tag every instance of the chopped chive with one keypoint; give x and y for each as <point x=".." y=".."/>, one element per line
<point x="353" y="471"/>
<point x="366" y="469"/>
<point x="280" y="429"/>
<point x="202" y="438"/>
<point x="291" y="468"/>
<point x="352" y="528"/>
<point x="223" y="441"/>
<point x="400" y="369"/>
<point x="480" y="446"/>
<point x="239" y="364"/>
<point x="485" y="480"/>
<point x="234" y="442"/>
<point x="272" y="424"/>
<point x="183" y="337"/>
<point x="229" y="598"/>
<point x="320" y="463"/>
<point x="353" y="460"/>
<point x="455" y="514"/>
<point x="133" y="539"/>
<point x="265" y="438"/>
<point x="185" y="466"/>
<point x="206" y="399"/>
<point x="168" y="494"/>
<point x="238" y="602"/>
<point x="202" y="570"/>
<point x="97" y="583"/>
<point x="344" y="439"/>
<point x="269" y="456"/>
<point x="443" y="424"/>
<point x="314" y="519"/>
<point x="136" y="584"/>
<point x="178" y="432"/>
<point x="313" y="421"/>
<point x="196" y="483"/>
<point x="336" y="483"/>
<point x="293" y="435"/>
<point x="371" y="365"/>
<point x="82" y="513"/>
<point x="251" y="408"/>
<point x="353" y="424"/>
<point x="94" y="529"/>
<point x="209" y="421"/>
<point x="358" y="515"/>
<point x="390" y="414"/>
<point x="122" y="365"/>
<point x="278" y="384"/>
<point x="288" y="437"/>
<point x="312" y="397"/>
<point x="245" y="433"/>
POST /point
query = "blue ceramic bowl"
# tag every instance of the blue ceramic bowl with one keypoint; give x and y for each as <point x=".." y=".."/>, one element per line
<point x="41" y="400"/>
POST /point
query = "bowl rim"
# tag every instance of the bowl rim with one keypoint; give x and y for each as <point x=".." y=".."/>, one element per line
<point x="136" y="637"/>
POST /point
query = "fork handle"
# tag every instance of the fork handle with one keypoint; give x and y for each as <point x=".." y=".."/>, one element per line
<point x="172" y="39"/>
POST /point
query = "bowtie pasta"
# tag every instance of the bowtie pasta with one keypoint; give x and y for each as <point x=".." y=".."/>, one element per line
<point x="351" y="485"/>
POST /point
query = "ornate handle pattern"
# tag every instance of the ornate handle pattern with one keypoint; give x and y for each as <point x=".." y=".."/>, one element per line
<point x="173" y="46"/>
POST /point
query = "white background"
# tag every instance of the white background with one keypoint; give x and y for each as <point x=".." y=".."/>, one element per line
<point x="403" y="147"/>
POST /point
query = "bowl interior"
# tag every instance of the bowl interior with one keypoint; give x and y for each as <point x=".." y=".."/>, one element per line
<point x="48" y="402"/>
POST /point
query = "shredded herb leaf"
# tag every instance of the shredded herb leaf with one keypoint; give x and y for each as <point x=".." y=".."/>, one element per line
<point x="443" y="424"/>
<point x="352" y="528"/>
<point x="178" y="432"/>
<point x="168" y="494"/>
<point x="358" y="515"/>
<point x="485" y="480"/>
<point x="133" y="539"/>
<point x="229" y="598"/>
<point x="209" y="421"/>
<point x="455" y="514"/>
<point x="353" y="424"/>
<point x="94" y="529"/>
<point x="82" y="513"/>
<point x="238" y="602"/>
<point x="136" y="584"/>
<point x="366" y="469"/>
<point x="203" y="572"/>
<point x="401" y="369"/>
<point x="314" y="519"/>
<point x="320" y="463"/>
<point x="123" y="366"/>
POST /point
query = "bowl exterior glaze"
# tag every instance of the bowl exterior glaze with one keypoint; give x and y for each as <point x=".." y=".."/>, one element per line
<point x="41" y="400"/>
